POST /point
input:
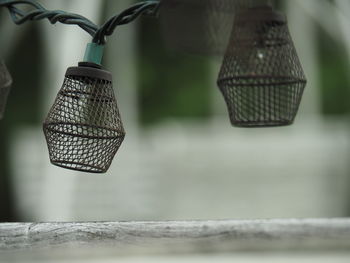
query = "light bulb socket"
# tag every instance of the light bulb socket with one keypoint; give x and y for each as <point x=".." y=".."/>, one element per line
<point x="89" y="69"/>
<point x="93" y="53"/>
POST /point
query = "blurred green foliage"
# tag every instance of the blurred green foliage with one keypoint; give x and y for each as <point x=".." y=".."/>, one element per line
<point x="171" y="85"/>
<point x="334" y="74"/>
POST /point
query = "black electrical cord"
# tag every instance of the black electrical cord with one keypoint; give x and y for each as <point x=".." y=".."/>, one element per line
<point x="19" y="17"/>
<point x="99" y="35"/>
<point x="125" y="17"/>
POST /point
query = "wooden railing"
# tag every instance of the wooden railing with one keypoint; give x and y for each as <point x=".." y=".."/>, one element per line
<point x="181" y="237"/>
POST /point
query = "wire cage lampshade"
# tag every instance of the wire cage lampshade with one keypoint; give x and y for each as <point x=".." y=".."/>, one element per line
<point x="83" y="129"/>
<point x="261" y="77"/>
<point x="5" y="86"/>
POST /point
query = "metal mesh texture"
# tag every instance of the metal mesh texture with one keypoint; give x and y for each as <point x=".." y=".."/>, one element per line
<point x="5" y="86"/>
<point x="83" y="128"/>
<point x="261" y="77"/>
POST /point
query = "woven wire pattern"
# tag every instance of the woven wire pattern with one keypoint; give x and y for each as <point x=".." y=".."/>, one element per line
<point x="261" y="78"/>
<point x="83" y="128"/>
<point x="5" y="86"/>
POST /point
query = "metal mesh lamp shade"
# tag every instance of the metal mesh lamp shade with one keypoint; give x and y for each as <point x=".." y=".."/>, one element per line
<point x="83" y="129"/>
<point x="261" y="77"/>
<point x="5" y="86"/>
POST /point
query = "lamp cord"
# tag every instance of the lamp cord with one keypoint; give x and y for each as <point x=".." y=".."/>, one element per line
<point x="125" y="17"/>
<point x="99" y="34"/>
<point x="39" y="12"/>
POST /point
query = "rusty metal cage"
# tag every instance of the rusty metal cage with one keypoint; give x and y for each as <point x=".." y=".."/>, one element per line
<point x="261" y="77"/>
<point x="5" y="86"/>
<point x="84" y="129"/>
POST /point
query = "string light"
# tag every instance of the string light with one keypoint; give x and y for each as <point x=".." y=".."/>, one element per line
<point x="261" y="77"/>
<point x="83" y="129"/>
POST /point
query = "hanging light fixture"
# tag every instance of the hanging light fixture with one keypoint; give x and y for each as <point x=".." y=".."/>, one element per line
<point x="261" y="77"/>
<point x="5" y="86"/>
<point x="84" y="129"/>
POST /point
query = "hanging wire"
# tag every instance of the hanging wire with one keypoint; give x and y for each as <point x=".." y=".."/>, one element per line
<point x="98" y="33"/>
<point x="125" y="17"/>
<point x="39" y="12"/>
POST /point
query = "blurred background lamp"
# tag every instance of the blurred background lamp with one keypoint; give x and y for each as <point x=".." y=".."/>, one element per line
<point x="5" y="86"/>
<point x="83" y="129"/>
<point x="261" y="77"/>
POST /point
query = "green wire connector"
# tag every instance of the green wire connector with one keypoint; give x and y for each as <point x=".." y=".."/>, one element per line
<point x="93" y="53"/>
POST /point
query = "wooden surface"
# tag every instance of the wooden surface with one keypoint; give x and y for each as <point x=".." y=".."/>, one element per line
<point x="181" y="237"/>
